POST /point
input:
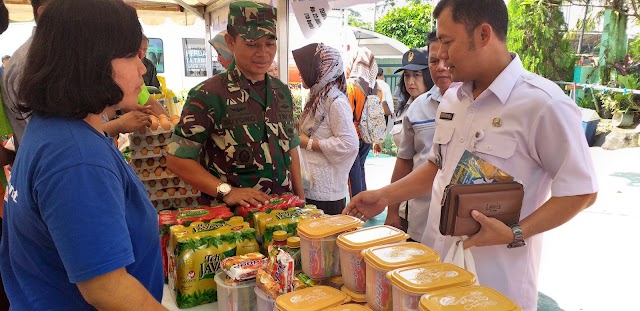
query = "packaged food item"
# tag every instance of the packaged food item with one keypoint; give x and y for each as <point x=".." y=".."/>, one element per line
<point x="281" y="267"/>
<point x="264" y="302"/>
<point x="318" y="244"/>
<point x="244" y="267"/>
<point x="235" y="296"/>
<point x="286" y="220"/>
<point x="194" y="259"/>
<point x="267" y="284"/>
<point x="311" y="299"/>
<point x="410" y="283"/>
<point x="279" y="239"/>
<point x="352" y="243"/>
<point x="293" y="248"/>
<point x="467" y="298"/>
<point x="381" y="259"/>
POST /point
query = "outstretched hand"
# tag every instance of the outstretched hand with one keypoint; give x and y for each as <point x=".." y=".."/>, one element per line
<point x="366" y="205"/>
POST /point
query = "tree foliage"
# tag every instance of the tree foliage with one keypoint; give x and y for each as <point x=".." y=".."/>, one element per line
<point x="537" y="33"/>
<point x="409" y="24"/>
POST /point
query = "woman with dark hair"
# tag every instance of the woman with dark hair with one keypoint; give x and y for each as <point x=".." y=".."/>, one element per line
<point x="79" y="232"/>
<point x="414" y="87"/>
<point x="326" y="126"/>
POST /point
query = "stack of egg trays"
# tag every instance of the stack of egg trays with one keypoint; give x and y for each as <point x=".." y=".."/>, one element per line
<point x="148" y="159"/>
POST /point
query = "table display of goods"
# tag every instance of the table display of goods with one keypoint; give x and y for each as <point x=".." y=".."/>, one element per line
<point x="148" y="159"/>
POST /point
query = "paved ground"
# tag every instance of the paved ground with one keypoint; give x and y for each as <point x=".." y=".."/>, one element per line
<point x="590" y="263"/>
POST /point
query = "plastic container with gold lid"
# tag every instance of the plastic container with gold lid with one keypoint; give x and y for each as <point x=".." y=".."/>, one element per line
<point x="410" y="283"/>
<point x="349" y="307"/>
<point x="468" y="298"/>
<point x="352" y="243"/>
<point x="311" y="299"/>
<point x="355" y="297"/>
<point x="320" y="256"/>
<point x="382" y="259"/>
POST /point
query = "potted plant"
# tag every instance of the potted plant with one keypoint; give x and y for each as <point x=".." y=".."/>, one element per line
<point x="622" y="105"/>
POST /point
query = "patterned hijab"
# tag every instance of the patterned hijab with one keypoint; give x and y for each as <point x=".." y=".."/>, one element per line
<point x="322" y="70"/>
<point x="363" y="66"/>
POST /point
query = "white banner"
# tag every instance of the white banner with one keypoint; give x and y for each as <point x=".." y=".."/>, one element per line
<point x="310" y="14"/>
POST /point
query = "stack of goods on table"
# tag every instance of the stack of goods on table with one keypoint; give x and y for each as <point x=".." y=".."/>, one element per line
<point x="148" y="160"/>
<point x="289" y="256"/>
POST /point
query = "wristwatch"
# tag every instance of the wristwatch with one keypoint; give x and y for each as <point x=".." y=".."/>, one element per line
<point x="222" y="189"/>
<point x="518" y="237"/>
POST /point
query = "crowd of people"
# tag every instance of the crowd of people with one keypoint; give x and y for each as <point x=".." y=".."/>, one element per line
<point x="79" y="232"/>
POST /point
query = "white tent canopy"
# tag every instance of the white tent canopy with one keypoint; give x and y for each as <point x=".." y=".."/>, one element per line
<point x="184" y="12"/>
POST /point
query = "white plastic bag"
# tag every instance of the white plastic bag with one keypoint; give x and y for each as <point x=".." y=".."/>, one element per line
<point x="461" y="257"/>
<point x="307" y="178"/>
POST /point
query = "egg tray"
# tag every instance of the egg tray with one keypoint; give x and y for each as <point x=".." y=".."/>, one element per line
<point x="171" y="204"/>
<point x="145" y="166"/>
<point x="150" y="155"/>
<point x="170" y="184"/>
<point x="153" y="176"/>
<point x="176" y="195"/>
<point x="150" y="132"/>
<point x="155" y="141"/>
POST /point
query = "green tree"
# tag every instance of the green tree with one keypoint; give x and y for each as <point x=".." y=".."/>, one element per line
<point x="355" y="19"/>
<point x="409" y="24"/>
<point x="537" y="33"/>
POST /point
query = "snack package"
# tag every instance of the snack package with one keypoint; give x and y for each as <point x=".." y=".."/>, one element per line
<point x="267" y="284"/>
<point x="244" y="267"/>
<point x="287" y="220"/>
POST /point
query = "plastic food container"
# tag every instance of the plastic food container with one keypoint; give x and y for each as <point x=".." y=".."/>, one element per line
<point x="235" y="296"/>
<point x="469" y="298"/>
<point x="355" y="297"/>
<point x="320" y="256"/>
<point x="348" y="307"/>
<point x="352" y="243"/>
<point x="265" y="302"/>
<point x="409" y="284"/>
<point x="382" y="259"/>
<point x="311" y="299"/>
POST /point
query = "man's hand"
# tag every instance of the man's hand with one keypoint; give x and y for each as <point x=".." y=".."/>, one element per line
<point x="393" y="220"/>
<point x="246" y="197"/>
<point x="132" y="121"/>
<point x="366" y="205"/>
<point x="492" y="232"/>
<point x="377" y="148"/>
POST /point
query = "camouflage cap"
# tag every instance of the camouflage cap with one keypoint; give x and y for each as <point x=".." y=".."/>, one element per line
<point x="253" y="20"/>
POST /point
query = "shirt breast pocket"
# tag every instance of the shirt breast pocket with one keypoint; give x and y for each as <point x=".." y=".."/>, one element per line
<point x="496" y="148"/>
<point x="441" y="140"/>
<point x="243" y="148"/>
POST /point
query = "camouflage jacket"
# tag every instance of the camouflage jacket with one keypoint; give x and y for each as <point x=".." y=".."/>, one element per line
<point x="237" y="136"/>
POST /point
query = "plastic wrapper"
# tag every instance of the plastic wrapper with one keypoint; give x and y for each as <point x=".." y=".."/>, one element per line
<point x="244" y="267"/>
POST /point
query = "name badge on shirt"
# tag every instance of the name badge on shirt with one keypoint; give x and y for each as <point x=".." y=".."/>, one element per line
<point x="446" y="116"/>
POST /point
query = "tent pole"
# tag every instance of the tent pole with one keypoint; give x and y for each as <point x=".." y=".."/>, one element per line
<point x="283" y="40"/>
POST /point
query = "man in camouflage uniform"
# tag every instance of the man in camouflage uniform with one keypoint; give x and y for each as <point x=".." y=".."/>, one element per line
<point x="239" y="124"/>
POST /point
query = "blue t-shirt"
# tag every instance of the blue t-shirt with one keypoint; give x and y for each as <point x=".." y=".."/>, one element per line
<point x="74" y="210"/>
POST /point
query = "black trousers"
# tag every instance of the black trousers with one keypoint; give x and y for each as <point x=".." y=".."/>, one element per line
<point x="330" y="207"/>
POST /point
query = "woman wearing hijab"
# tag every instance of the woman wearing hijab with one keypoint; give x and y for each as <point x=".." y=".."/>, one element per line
<point x="326" y="126"/>
<point x="362" y="71"/>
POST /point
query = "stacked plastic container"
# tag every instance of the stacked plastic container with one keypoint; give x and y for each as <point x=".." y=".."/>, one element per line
<point x="352" y="243"/>
<point x="148" y="159"/>
<point x="383" y="259"/>
<point x="410" y="283"/>
<point x="320" y="255"/>
<point x="314" y="298"/>
<point x="467" y="298"/>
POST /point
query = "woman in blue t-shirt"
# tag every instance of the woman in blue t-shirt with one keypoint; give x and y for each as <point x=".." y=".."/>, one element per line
<point x="79" y="232"/>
